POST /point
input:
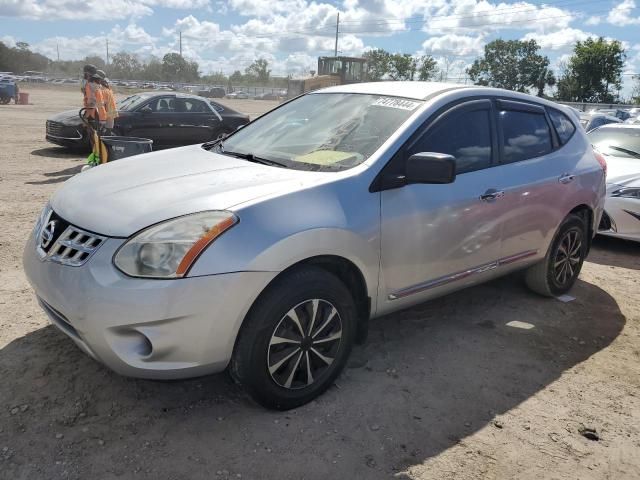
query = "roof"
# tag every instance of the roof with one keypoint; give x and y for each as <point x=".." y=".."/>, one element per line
<point x="416" y="90"/>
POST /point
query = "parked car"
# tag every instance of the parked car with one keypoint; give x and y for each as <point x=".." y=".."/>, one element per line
<point x="621" y="146"/>
<point x="615" y="112"/>
<point x="267" y="96"/>
<point x="269" y="251"/>
<point x="238" y="95"/>
<point x="215" y="92"/>
<point x="169" y="119"/>
<point x="592" y="120"/>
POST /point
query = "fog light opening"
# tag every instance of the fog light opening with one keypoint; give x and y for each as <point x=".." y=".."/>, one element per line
<point x="144" y="347"/>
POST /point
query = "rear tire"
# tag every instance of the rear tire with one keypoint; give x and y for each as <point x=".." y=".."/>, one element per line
<point x="558" y="272"/>
<point x="296" y="339"/>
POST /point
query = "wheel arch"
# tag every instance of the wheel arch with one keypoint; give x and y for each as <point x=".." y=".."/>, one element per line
<point x="345" y="270"/>
<point x="586" y="213"/>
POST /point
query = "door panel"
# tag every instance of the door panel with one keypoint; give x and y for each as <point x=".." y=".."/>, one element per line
<point x="439" y="237"/>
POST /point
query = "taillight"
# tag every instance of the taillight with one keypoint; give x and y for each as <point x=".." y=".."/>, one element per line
<point x="601" y="160"/>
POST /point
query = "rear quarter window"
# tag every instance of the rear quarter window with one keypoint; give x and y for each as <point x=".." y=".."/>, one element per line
<point x="525" y="135"/>
<point x="563" y="125"/>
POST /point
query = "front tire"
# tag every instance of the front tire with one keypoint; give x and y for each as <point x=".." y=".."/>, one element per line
<point x="296" y="339"/>
<point x="559" y="270"/>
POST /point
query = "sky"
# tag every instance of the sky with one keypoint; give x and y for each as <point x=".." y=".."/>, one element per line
<point x="227" y="35"/>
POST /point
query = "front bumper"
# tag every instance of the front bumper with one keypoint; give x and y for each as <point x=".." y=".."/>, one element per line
<point x="621" y="218"/>
<point x="145" y="328"/>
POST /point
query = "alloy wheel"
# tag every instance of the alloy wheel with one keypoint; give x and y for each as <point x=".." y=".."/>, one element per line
<point x="568" y="256"/>
<point x="304" y="344"/>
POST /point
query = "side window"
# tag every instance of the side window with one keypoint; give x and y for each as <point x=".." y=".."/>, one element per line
<point x="162" y="105"/>
<point x="564" y="126"/>
<point x="524" y="135"/>
<point x="192" y="106"/>
<point x="217" y="107"/>
<point x="466" y="135"/>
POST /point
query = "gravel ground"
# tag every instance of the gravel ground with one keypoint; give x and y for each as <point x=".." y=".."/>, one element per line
<point x="446" y="390"/>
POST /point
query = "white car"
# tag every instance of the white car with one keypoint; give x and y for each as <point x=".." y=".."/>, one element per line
<point x="620" y="144"/>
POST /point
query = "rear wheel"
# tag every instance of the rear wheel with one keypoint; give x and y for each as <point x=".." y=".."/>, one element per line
<point x="296" y="339"/>
<point x="558" y="272"/>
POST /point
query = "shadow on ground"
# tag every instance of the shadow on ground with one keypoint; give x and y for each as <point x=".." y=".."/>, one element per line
<point x="59" y="176"/>
<point x="615" y="252"/>
<point x="57" y="152"/>
<point x="427" y="378"/>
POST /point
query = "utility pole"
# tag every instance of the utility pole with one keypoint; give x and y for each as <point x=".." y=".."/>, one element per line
<point x="335" y="52"/>
<point x="180" y="42"/>
<point x="58" y="50"/>
<point x="107" y="40"/>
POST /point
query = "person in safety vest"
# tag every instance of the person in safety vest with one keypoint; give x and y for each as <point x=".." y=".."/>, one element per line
<point x="110" y="106"/>
<point x="87" y="71"/>
<point x="94" y="101"/>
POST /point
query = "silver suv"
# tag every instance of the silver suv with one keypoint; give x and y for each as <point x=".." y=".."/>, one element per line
<point x="269" y="251"/>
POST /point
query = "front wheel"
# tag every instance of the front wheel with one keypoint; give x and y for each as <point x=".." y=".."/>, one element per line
<point x="559" y="270"/>
<point x="296" y="339"/>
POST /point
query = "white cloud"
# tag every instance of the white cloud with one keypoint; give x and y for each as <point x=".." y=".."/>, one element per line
<point x="465" y="16"/>
<point x="8" y="40"/>
<point x="90" y="9"/>
<point x="621" y="14"/>
<point x="567" y="37"/>
<point x="454" y="44"/>
<point x="593" y="20"/>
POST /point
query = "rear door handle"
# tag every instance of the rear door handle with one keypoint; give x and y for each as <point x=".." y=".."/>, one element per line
<point x="491" y="194"/>
<point x="566" y="178"/>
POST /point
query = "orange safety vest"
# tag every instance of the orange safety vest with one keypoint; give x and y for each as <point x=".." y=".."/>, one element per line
<point x="110" y="104"/>
<point x="94" y="101"/>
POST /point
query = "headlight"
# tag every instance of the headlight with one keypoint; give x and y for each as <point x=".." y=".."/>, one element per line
<point x="627" y="192"/>
<point x="170" y="248"/>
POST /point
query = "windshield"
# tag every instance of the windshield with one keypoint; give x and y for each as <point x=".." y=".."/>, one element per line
<point x="130" y="103"/>
<point x="323" y="131"/>
<point x="618" y="142"/>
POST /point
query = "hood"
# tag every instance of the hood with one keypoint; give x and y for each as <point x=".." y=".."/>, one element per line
<point x="69" y="117"/>
<point x="621" y="167"/>
<point x="124" y="196"/>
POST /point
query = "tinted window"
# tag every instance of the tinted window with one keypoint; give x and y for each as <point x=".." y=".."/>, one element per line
<point x="162" y="105"/>
<point x="217" y="107"/>
<point x="465" y="135"/>
<point x="190" y="105"/>
<point x="525" y="135"/>
<point x="564" y="126"/>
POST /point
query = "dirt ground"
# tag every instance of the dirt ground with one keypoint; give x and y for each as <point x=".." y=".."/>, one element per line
<point x="446" y="390"/>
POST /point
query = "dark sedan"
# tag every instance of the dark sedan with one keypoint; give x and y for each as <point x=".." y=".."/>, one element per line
<point x="169" y="119"/>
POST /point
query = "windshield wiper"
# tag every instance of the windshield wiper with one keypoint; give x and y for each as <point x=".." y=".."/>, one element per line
<point x="624" y="150"/>
<point x="250" y="157"/>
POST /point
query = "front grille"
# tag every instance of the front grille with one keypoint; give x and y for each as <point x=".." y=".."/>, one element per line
<point x="59" y="241"/>
<point x="57" y="129"/>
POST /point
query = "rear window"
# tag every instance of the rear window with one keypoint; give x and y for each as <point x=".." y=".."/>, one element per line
<point x="525" y="135"/>
<point x="620" y="142"/>
<point x="564" y="126"/>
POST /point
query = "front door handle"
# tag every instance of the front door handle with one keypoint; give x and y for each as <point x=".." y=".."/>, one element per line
<point x="491" y="194"/>
<point x="566" y="178"/>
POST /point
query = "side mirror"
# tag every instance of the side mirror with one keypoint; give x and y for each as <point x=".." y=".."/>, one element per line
<point x="146" y="109"/>
<point x="429" y="167"/>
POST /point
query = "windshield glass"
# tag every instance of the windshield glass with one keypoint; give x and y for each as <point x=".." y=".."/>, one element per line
<point x="130" y="103"/>
<point x="323" y="131"/>
<point x="618" y="142"/>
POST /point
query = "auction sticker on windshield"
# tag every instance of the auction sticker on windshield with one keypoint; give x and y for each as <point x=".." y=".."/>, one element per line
<point x="391" y="102"/>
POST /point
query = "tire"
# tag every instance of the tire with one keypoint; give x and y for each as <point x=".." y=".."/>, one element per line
<point x="557" y="273"/>
<point x="282" y="374"/>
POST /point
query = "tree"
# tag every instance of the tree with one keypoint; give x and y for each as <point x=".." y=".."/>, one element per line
<point x="125" y="65"/>
<point x="592" y="71"/>
<point x="511" y="64"/>
<point x="402" y="66"/>
<point x="377" y="64"/>
<point x="218" y="78"/>
<point x="259" y="71"/>
<point x="428" y="68"/>
<point x="236" y="77"/>
<point x="20" y="58"/>
<point x="176" y="68"/>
